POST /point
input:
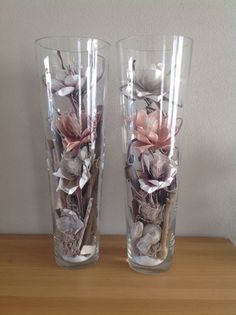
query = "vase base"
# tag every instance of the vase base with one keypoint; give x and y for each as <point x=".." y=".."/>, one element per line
<point x="164" y="266"/>
<point x="75" y="264"/>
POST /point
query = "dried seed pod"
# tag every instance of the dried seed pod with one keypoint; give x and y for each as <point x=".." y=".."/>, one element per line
<point x="154" y="231"/>
<point x="69" y="222"/>
<point x="71" y="80"/>
<point x="71" y="166"/>
<point x="152" y="235"/>
<point x="144" y="244"/>
<point x="149" y="213"/>
<point x="136" y="230"/>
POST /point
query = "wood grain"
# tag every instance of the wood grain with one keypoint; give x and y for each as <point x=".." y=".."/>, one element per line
<point x="202" y="280"/>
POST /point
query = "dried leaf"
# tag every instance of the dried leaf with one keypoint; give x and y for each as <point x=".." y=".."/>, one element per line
<point x="69" y="222"/>
<point x="136" y="230"/>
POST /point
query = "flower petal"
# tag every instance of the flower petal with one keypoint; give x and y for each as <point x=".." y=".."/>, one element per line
<point x="69" y="125"/>
<point x="72" y="145"/>
<point x="161" y="184"/>
<point x="85" y="133"/>
<point x="147" y="187"/>
<point x="141" y="94"/>
<point x="141" y="130"/>
<point x="56" y="85"/>
<point x="164" y="134"/>
<point x="153" y="137"/>
<point x="152" y="122"/>
<point x="86" y="139"/>
<point x="141" y="148"/>
<point x="141" y="118"/>
<point x="69" y="187"/>
<point x="60" y="75"/>
<point x="65" y="91"/>
<point x="71" y="80"/>
<point x="59" y="174"/>
<point x="85" y="177"/>
<point x="155" y="115"/>
<point x="140" y="137"/>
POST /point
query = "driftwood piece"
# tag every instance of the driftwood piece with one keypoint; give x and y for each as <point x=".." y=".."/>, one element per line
<point x="91" y="184"/>
<point x="91" y="225"/>
<point x="162" y="254"/>
<point x="91" y="191"/>
<point x="86" y="219"/>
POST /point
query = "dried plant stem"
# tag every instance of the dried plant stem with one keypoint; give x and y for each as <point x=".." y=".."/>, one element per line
<point x="60" y="57"/>
<point x="98" y="147"/>
<point x="87" y="215"/>
<point x="165" y="231"/>
<point x="91" y="184"/>
<point x="91" y="191"/>
<point x="91" y="225"/>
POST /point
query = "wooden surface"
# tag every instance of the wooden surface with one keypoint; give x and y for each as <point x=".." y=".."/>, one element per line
<point x="202" y="280"/>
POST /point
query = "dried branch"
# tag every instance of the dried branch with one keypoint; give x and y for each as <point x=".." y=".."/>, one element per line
<point x="94" y="173"/>
<point x="92" y="188"/>
<point x="162" y="254"/>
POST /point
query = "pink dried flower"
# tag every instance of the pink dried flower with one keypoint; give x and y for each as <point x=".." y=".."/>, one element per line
<point x="152" y="131"/>
<point x="74" y="133"/>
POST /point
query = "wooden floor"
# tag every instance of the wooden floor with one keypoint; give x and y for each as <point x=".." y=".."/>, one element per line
<point x="202" y="280"/>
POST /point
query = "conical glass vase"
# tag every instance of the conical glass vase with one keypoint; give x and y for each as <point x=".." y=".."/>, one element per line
<point x="154" y="72"/>
<point x="73" y="78"/>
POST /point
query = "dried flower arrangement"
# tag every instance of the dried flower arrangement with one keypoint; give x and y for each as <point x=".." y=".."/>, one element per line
<point x="75" y="145"/>
<point x="151" y="164"/>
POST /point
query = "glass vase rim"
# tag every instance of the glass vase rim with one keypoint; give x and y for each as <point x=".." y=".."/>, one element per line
<point x="152" y="35"/>
<point x="38" y="41"/>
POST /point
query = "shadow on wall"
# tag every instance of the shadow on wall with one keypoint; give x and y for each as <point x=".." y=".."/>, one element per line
<point x="205" y="174"/>
<point x="36" y="148"/>
<point x="24" y="193"/>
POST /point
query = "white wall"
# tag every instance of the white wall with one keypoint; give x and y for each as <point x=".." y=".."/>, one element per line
<point x="207" y="200"/>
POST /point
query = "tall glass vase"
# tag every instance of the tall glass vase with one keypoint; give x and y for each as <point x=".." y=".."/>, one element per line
<point x="154" y="72"/>
<point x="73" y="73"/>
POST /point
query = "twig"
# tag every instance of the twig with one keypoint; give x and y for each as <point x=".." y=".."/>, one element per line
<point x="91" y="184"/>
<point x="162" y="254"/>
<point x="60" y="57"/>
<point x="165" y="98"/>
<point x="91" y="191"/>
<point x="99" y="144"/>
<point x="91" y="225"/>
<point x="87" y="215"/>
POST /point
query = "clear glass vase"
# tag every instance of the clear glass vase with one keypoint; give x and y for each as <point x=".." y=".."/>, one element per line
<point x="73" y="78"/>
<point x="154" y="72"/>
